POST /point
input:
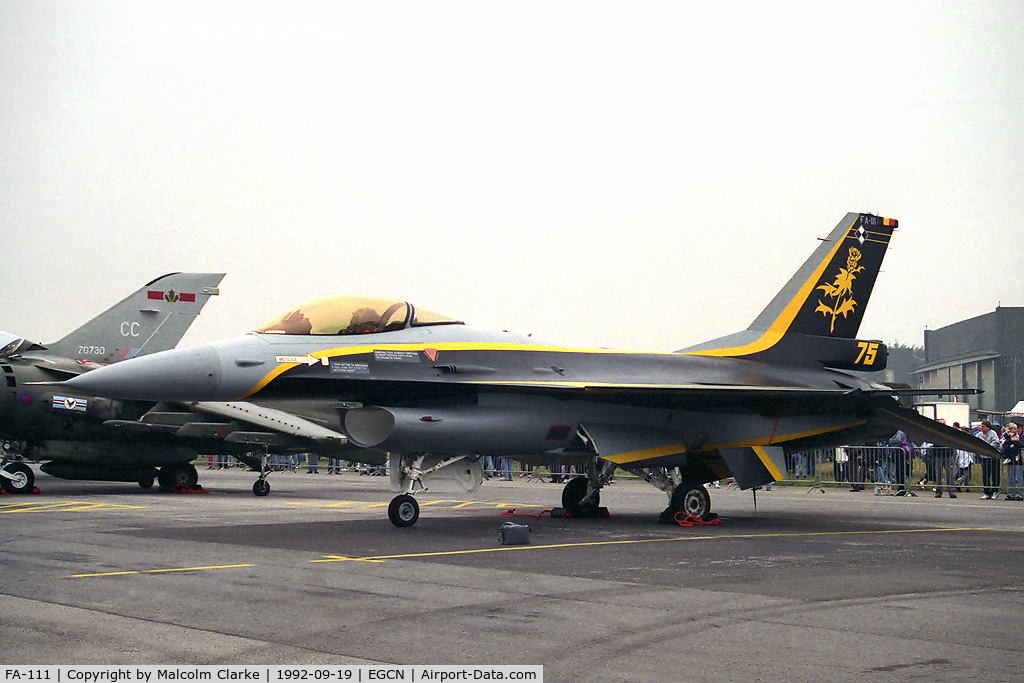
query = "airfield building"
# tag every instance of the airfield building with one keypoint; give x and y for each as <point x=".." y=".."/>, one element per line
<point x="985" y="352"/>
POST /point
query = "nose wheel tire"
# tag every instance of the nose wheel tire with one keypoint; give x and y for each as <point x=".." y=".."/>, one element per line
<point x="403" y="510"/>
<point x="22" y="478"/>
<point x="261" y="487"/>
<point x="693" y="499"/>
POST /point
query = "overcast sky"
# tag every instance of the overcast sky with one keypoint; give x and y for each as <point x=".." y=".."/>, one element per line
<point x="633" y="175"/>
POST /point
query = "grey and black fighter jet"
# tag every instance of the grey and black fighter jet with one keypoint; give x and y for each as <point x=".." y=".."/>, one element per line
<point x="65" y="428"/>
<point x="436" y="393"/>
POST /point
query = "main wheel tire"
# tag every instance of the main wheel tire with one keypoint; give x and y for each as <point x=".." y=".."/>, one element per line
<point x="182" y="474"/>
<point x="146" y="482"/>
<point x="692" y="499"/>
<point x="573" y="494"/>
<point x="23" y="479"/>
<point x="403" y="510"/>
<point x="261" y="488"/>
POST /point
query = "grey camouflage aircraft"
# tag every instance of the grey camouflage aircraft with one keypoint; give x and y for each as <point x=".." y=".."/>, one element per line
<point x="65" y="428"/>
<point x="435" y="393"/>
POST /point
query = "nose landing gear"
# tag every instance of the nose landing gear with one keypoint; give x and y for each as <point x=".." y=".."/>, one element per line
<point x="403" y="510"/>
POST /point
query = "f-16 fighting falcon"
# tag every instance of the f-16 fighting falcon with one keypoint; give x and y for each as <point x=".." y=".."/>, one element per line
<point x="65" y="428"/>
<point x="435" y="393"/>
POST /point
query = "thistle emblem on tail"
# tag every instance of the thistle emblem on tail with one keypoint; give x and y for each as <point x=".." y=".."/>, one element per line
<point x="841" y="290"/>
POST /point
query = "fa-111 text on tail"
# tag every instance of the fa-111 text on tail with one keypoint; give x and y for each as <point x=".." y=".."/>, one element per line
<point x="436" y="393"/>
<point x="64" y="427"/>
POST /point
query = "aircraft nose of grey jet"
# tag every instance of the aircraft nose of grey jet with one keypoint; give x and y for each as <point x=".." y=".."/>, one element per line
<point x="189" y="374"/>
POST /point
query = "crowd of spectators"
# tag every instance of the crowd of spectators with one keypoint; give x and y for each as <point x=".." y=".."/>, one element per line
<point x="896" y="465"/>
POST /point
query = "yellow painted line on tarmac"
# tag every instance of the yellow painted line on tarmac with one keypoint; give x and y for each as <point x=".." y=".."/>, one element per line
<point x="103" y="506"/>
<point x="446" y="553"/>
<point x="162" y="571"/>
<point x="342" y="558"/>
<point x="324" y="505"/>
<point x="65" y="506"/>
<point x="30" y="507"/>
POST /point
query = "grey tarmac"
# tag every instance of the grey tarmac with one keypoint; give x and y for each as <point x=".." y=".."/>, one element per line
<point x="807" y="587"/>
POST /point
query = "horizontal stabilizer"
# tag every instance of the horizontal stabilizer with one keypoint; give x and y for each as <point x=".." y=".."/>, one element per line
<point x="919" y="429"/>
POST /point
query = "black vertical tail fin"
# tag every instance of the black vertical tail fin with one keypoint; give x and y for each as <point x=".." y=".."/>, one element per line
<point x="828" y="295"/>
<point x="816" y="316"/>
<point x="154" y="318"/>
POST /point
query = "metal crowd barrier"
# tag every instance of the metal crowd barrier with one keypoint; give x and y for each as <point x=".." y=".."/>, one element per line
<point x="884" y="470"/>
<point x="893" y="470"/>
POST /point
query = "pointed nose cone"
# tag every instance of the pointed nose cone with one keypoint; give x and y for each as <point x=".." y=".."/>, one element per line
<point x="190" y="374"/>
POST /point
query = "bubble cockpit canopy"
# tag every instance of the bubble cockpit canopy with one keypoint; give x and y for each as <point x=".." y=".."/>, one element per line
<point x="9" y="344"/>
<point x="12" y="345"/>
<point x="351" y="314"/>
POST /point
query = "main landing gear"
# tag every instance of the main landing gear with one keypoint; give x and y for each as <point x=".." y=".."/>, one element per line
<point x="578" y="500"/>
<point x="181" y="474"/>
<point x="689" y="497"/>
<point x="17" y="477"/>
<point x="692" y="499"/>
<point x="581" y="496"/>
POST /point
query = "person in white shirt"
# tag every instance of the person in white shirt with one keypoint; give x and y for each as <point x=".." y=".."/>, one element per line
<point x="990" y="467"/>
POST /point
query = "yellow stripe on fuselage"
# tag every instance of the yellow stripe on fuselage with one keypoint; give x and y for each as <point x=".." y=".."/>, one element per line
<point x="448" y="346"/>
<point x="489" y="346"/>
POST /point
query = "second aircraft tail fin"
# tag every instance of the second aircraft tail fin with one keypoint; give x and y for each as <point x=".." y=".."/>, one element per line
<point x="154" y="318"/>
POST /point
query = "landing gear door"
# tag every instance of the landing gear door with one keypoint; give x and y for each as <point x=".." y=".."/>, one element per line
<point x="430" y="472"/>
